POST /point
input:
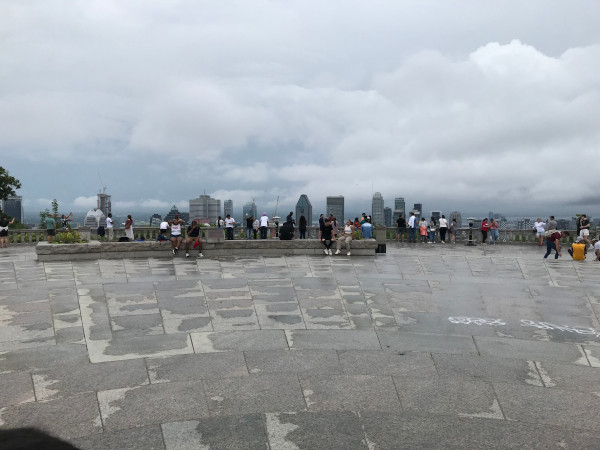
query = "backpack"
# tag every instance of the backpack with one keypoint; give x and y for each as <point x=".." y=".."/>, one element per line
<point x="549" y="233"/>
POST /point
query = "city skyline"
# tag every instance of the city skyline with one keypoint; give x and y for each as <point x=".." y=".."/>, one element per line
<point x="453" y="104"/>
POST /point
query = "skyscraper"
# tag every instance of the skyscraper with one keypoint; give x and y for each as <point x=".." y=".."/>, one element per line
<point x="13" y="206"/>
<point x="377" y="209"/>
<point x="304" y="208"/>
<point x="418" y="207"/>
<point x="436" y="215"/>
<point x="399" y="208"/>
<point x="228" y="207"/>
<point x="104" y="203"/>
<point x="387" y="216"/>
<point x="335" y="207"/>
<point x="205" y="209"/>
<point x="456" y="215"/>
<point x="250" y="209"/>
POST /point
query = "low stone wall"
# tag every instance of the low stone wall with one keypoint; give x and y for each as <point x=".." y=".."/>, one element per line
<point x="154" y="249"/>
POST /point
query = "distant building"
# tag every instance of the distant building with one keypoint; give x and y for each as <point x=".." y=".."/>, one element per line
<point x="228" y="207"/>
<point x="456" y="215"/>
<point x="524" y="224"/>
<point x="250" y="209"/>
<point x="335" y="207"/>
<point x="377" y="206"/>
<point x="304" y="208"/>
<point x="155" y="220"/>
<point x="491" y="215"/>
<point x="387" y="216"/>
<point x="171" y="214"/>
<point x="94" y="218"/>
<point x="13" y="206"/>
<point x="418" y="207"/>
<point x="399" y="208"/>
<point x="104" y="203"/>
<point x="436" y="215"/>
<point x="205" y="209"/>
<point x="565" y="224"/>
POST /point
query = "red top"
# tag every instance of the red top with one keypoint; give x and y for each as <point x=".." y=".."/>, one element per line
<point x="554" y="236"/>
<point x="485" y="226"/>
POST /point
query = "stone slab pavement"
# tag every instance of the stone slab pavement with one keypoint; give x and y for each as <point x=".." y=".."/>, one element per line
<point x="425" y="346"/>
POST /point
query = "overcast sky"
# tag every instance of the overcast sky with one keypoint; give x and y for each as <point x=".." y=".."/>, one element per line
<point x="465" y="105"/>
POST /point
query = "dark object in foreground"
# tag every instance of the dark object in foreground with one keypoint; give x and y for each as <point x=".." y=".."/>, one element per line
<point x="29" y="439"/>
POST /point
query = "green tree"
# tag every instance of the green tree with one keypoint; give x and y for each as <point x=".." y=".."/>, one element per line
<point x="8" y="184"/>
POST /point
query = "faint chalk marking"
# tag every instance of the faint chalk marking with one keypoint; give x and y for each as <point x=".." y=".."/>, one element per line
<point x="277" y="432"/>
<point x="548" y="382"/>
<point x="533" y="376"/>
<point x="475" y="320"/>
<point x="494" y="413"/>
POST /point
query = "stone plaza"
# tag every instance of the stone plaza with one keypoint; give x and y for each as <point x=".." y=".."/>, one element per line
<point x="424" y="346"/>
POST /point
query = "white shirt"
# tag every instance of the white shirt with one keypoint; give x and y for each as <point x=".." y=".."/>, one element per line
<point x="539" y="226"/>
<point x="109" y="222"/>
<point x="443" y="223"/>
<point x="264" y="221"/>
<point x="229" y="222"/>
<point x="597" y="246"/>
<point x="176" y="229"/>
<point x="411" y="221"/>
<point x="164" y="225"/>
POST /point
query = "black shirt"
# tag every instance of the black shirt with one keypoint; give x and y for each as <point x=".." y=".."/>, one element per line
<point x="401" y="222"/>
<point x="193" y="232"/>
<point x="249" y="222"/>
<point x="326" y="232"/>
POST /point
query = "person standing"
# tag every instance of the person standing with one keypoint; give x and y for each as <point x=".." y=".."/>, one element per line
<point x="412" y="228"/>
<point x="129" y="228"/>
<point x="334" y="224"/>
<point x="229" y="222"/>
<point x="264" y="225"/>
<point x="110" y="226"/>
<point x="4" y="223"/>
<point x="585" y="229"/>
<point x="494" y="233"/>
<point x="193" y="235"/>
<point x="326" y="236"/>
<point x="50" y="226"/>
<point x="485" y="227"/>
<point x="540" y="230"/>
<point x="553" y="243"/>
<point x="453" y="230"/>
<point x="431" y="230"/>
<point x="443" y="229"/>
<point x="220" y="223"/>
<point x="367" y="228"/>
<point x="302" y="227"/>
<point x="400" y="228"/>
<point x="346" y="237"/>
<point x="321" y="221"/>
<point x="423" y="230"/>
<point x="64" y="220"/>
<point x="551" y="224"/>
<point x="249" y="226"/>
<point x="176" y="237"/>
<point x="255" y="227"/>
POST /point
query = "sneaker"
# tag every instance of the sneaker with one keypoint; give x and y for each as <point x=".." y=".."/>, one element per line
<point x="337" y="252"/>
<point x="200" y="255"/>
<point x="187" y="255"/>
<point x="174" y="253"/>
<point x="330" y="252"/>
<point x="349" y="253"/>
<point x="326" y="252"/>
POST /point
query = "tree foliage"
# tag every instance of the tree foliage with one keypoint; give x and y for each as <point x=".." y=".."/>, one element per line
<point x="8" y="184"/>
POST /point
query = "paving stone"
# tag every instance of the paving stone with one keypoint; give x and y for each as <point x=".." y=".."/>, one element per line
<point x="252" y="394"/>
<point x="136" y="325"/>
<point x="206" y="342"/>
<point x="487" y="368"/>
<point x="350" y="393"/>
<point x="411" y="365"/>
<point x="67" y="380"/>
<point x="530" y="350"/>
<point x="405" y="342"/>
<point x="332" y="339"/>
<point x="43" y="357"/>
<point x="215" y="433"/>
<point x="552" y="406"/>
<point x="315" y="430"/>
<point x="570" y="376"/>
<point x="148" y="438"/>
<point x="465" y="398"/>
<point x="592" y="353"/>
<point x="65" y="418"/>
<point x="304" y="362"/>
<point x="196" y="367"/>
<point x="152" y="404"/>
<point x="16" y="388"/>
<point x="139" y="347"/>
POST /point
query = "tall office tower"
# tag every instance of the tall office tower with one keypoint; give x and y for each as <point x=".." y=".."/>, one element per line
<point x="456" y="215"/>
<point x="335" y="207"/>
<point x="565" y="224"/>
<point x="104" y="204"/>
<point x="250" y="209"/>
<point x="377" y="209"/>
<point x="304" y="208"/>
<point x="205" y="209"/>
<point x="491" y="215"/>
<point x="228" y="207"/>
<point x="399" y="208"/>
<point x="387" y="216"/>
<point x="171" y="214"/>
<point x="155" y="220"/>
<point x="436" y="215"/>
<point x="13" y="206"/>
<point x="418" y="207"/>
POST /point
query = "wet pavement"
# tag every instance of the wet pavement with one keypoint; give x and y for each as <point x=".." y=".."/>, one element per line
<point x="426" y="346"/>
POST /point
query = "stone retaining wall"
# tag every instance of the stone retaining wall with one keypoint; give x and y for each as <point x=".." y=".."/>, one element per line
<point x="154" y="249"/>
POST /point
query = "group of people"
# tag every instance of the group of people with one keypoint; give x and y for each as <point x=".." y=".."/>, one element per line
<point x="330" y="232"/>
<point x="193" y="236"/>
<point x="427" y="230"/>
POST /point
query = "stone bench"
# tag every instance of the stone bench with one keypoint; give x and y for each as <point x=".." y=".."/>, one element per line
<point x="155" y="249"/>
